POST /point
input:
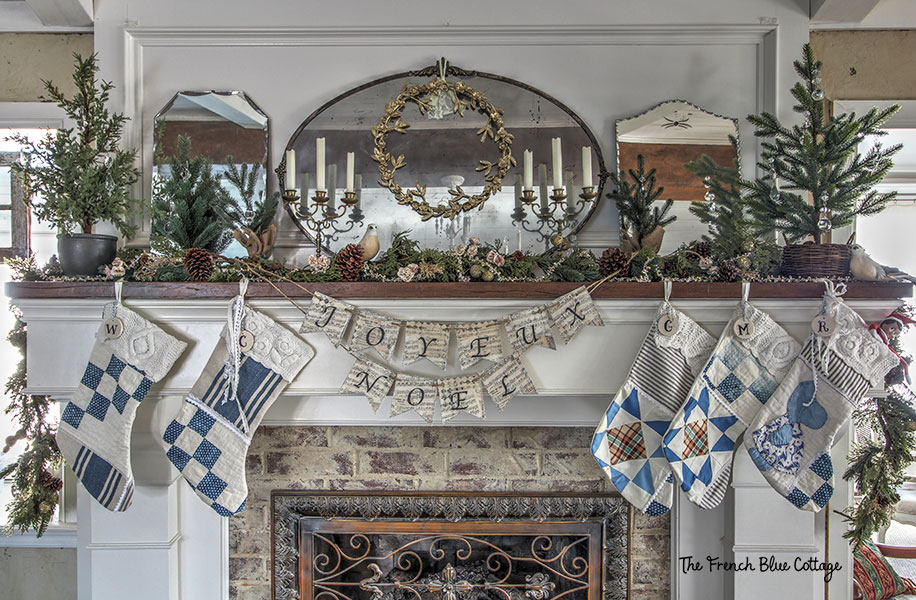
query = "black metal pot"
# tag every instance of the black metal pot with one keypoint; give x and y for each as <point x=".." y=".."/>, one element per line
<point x="84" y="253"/>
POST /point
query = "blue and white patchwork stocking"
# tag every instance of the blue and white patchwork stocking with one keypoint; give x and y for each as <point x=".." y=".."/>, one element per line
<point x="790" y="439"/>
<point x="628" y="441"/>
<point x="209" y="439"/>
<point x="130" y="354"/>
<point x="753" y="354"/>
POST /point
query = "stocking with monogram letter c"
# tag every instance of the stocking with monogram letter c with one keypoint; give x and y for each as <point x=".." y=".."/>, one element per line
<point x="253" y="362"/>
<point x="628" y="441"/>
<point x="790" y="439"/>
<point x="753" y="354"/>
<point x="130" y="354"/>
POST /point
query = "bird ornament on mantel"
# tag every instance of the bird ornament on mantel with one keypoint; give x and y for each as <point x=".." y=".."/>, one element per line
<point x="369" y="243"/>
<point x="864" y="268"/>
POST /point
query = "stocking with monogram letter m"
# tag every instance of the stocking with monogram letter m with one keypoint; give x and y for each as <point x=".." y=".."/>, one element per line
<point x="253" y="362"/>
<point x="628" y="441"/>
<point x="753" y="354"/>
<point x="130" y="354"/>
<point x="790" y="439"/>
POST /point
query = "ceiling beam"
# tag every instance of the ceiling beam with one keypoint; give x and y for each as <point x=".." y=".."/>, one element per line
<point x="841" y="11"/>
<point x="66" y="13"/>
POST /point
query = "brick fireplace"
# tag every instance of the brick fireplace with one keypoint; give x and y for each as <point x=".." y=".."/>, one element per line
<point x="527" y="460"/>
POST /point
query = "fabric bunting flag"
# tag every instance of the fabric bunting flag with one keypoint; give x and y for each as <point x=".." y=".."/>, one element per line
<point x="208" y="440"/>
<point x="328" y="315"/>
<point x="414" y="393"/>
<point x="528" y="328"/>
<point x="458" y="394"/>
<point x="372" y="330"/>
<point x="369" y="379"/>
<point x="478" y="341"/>
<point x="790" y="438"/>
<point x="628" y="441"/>
<point x="571" y="311"/>
<point x="426" y="340"/>
<point x="130" y="354"/>
<point x="752" y="356"/>
<point x="506" y="381"/>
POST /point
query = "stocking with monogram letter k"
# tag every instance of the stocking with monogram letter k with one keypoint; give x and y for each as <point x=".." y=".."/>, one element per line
<point x="130" y="355"/>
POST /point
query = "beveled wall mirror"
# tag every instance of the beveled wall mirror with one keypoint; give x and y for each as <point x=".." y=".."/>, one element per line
<point x="220" y="125"/>
<point x="441" y="155"/>
<point x="671" y="134"/>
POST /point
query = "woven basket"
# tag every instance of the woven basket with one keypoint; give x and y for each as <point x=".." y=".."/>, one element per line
<point x="816" y="260"/>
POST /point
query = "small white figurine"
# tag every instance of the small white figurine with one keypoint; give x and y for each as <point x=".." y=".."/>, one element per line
<point x="369" y="243"/>
<point x="864" y="267"/>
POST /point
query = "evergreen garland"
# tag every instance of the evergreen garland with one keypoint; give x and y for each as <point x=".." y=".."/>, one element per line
<point x="189" y="205"/>
<point x="818" y="181"/>
<point x="35" y="488"/>
<point x="81" y="175"/>
<point x="638" y="216"/>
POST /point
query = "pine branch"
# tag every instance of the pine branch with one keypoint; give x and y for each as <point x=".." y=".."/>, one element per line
<point x="638" y="216"/>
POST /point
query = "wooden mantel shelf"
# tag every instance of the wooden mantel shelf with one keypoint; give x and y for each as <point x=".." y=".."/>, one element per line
<point x="532" y="290"/>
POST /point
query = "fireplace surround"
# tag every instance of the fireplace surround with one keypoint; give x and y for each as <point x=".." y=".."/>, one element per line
<point x="533" y="477"/>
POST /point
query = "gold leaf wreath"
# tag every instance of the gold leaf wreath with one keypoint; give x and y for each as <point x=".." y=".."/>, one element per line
<point x="467" y="98"/>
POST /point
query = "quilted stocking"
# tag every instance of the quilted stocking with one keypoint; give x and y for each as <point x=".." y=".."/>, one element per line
<point x="129" y="355"/>
<point x="751" y="357"/>
<point x="628" y="441"/>
<point x="790" y="439"/>
<point x="209" y="439"/>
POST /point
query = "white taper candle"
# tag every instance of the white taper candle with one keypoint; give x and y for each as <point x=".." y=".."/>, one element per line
<point x="290" y="169"/>
<point x="529" y="170"/>
<point x="586" y="166"/>
<point x="557" y="163"/>
<point x="350" y="158"/>
<point x="319" y="165"/>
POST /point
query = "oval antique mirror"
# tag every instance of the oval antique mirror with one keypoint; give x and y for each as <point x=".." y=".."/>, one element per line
<point x="444" y="154"/>
<point x="668" y="136"/>
<point x="229" y="130"/>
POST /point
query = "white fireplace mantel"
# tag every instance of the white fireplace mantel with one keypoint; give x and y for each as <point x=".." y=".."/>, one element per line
<point x="168" y="531"/>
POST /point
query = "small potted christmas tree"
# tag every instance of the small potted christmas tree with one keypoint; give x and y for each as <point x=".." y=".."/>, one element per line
<point x="76" y="177"/>
<point x="816" y="180"/>
<point x="642" y="223"/>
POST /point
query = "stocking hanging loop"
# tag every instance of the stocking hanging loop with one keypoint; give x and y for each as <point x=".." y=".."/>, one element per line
<point x="667" y="290"/>
<point x="745" y="291"/>
<point x="118" y="288"/>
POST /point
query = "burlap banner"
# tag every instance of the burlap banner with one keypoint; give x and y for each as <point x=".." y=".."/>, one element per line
<point x="571" y="311"/>
<point x="372" y="330"/>
<point x="529" y="328"/>
<point x="414" y="393"/>
<point x="457" y="394"/>
<point x="328" y="315"/>
<point x="506" y="381"/>
<point x="427" y="340"/>
<point x="370" y="379"/>
<point x="479" y="341"/>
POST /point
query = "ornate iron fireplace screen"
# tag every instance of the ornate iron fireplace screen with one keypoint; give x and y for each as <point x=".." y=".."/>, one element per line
<point x="449" y="547"/>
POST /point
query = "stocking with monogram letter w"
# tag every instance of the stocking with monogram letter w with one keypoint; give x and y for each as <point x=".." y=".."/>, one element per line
<point x="753" y="354"/>
<point x="628" y="441"/>
<point x="253" y="362"/>
<point x="130" y="354"/>
<point x="790" y="438"/>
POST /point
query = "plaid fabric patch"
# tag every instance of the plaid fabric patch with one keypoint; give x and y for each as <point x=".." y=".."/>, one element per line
<point x="626" y="443"/>
<point x="695" y="439"/>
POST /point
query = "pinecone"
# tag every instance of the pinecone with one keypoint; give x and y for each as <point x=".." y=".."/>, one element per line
<point x="728" y="271"/>
<point x="613" y="260"/>
<point x="349" y="262"/>
<point x="49" y="482"/>
<point x="704" y="249"/>
<point x="198" y="263"/>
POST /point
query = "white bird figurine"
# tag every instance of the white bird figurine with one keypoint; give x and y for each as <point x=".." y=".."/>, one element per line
<point x="369" y="243"/>
<point x="865" y="268"/>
